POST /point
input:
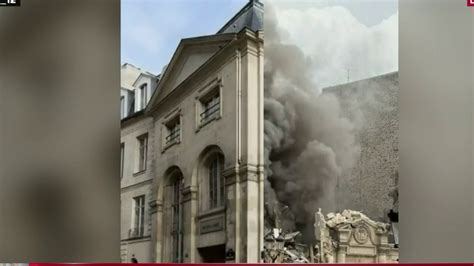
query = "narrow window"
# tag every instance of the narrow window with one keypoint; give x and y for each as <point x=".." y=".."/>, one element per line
<point x="122" y="158"/>
<point x="177" y="219"/>
<point x="173" y="128"/>
<point x="138" y="216"/>
<point x="142" y="152"/>
<point x="143" y="96"/>
<point x="210" y="106"/>
<point x="216" y="183"/>
<point x="122" y="107"/>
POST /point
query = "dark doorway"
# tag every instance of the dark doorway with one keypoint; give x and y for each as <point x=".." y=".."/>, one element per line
<point x="213" y="254"/>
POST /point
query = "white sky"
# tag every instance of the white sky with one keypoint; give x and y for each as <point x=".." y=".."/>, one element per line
<point x="345" y="40"/>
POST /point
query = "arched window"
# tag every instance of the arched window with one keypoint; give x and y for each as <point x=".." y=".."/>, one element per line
<point x="216" y="182"/>
<point x="177" y="219"/>
<point x="173" y="219"/>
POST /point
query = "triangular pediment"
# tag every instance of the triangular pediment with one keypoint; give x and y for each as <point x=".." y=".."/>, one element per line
<point x="142" y="79"/>
<point x="190" y="55"/>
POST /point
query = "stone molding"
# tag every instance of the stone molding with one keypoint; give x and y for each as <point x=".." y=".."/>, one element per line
<point x="189" y="193"/>
<point x="243" y="173"/>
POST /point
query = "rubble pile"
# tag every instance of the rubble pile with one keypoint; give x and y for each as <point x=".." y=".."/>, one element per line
<point x="283" y="248"/>
<point x="349" y="236"/>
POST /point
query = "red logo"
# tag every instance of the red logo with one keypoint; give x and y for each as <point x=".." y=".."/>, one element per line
<point x="470" y="2"/>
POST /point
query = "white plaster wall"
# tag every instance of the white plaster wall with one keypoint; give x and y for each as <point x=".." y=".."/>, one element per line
<point x="151" y="84"/>
<point x="139" y="248"/>
<point x="128" y="75"/>
<point x="133" y="184"/>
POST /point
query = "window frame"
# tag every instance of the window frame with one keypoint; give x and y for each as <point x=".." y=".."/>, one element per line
<point x="170" y="120"/>
<point x="176" y="205"/>
<point x="215" y="182"/>
<point x="142" y="165"/>
<point x="173" y="130"/>
<point x="138" y="217"/>
<point x="122" y="107"/>
<point x="205" y="95"/>
<point x="143" y="89"/>
<point x="122" y="158"/>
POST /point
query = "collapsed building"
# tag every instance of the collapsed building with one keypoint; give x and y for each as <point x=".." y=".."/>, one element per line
<point x="334" y="148"/>
<point x="346" y="237"/>
<point x="352" y="237"/>
<point x="370" y="185"/>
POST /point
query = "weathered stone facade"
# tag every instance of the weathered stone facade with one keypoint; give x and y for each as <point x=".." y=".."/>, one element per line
<point x="203" y="180"/>
<point x="351" y="237"/>
<point x="372" y="185"/>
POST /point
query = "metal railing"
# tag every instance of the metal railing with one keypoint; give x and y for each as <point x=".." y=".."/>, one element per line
<point x="210" y="112"/>
<point x="173" y="137"/>
<point x="135" y="232"/>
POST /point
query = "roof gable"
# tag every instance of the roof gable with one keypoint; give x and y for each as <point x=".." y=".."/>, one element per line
<point x="190" y="55"/>
<point x="143" y="78"/>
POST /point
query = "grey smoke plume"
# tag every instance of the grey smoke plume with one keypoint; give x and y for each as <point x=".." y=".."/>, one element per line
<point x="308" y="142"/>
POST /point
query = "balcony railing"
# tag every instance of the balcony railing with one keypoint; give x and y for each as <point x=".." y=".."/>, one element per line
<point x="135" y="232"/>
<point x="210" y="113"/>
<point x="173" y="137"/>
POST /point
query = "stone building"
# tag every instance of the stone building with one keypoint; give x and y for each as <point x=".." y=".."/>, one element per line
<point x="136" y="160"/>
<point x="192" y="150"/>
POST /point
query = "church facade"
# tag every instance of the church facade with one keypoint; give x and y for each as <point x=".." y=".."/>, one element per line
<point x="192" y="150"/>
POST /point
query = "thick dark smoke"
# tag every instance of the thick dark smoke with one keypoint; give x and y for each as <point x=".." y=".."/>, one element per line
<point x="308" y="142"/>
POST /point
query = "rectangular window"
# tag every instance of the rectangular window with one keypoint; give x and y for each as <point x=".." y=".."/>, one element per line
<point x="210" y="107"/>
<point x="142" y="152"/>
<point x="138" y="216"/>
<point x="173" y="128"/>
<point x="122" y="107"/>
<point x="122" y="157"/>
<point x="143" y="96"/>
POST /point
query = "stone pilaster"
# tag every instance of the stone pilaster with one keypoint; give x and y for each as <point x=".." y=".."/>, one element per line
<point x="341" y="254"/>
<point x="243" y="213"/>
<point x="159" y="231"/>
<point x="232" y="214"/>
<point x="189" y="205"/>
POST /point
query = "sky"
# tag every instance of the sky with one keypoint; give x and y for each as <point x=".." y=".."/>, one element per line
<point x="345" y="40"/>
<point x="151" y="29"/>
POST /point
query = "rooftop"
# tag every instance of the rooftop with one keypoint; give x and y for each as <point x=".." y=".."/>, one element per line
<point x="250" y="16"/>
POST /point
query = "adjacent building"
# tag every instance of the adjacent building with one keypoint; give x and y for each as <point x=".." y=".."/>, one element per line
<point x="192" y="150"/>
<point x="371" y="186"/>
<point x="136" y="156"/>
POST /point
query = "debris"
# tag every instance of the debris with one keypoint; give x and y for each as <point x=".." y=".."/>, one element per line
<point x="353" y="237"/>
<point x="283" y="248"/>
<point x="349" y="236"/>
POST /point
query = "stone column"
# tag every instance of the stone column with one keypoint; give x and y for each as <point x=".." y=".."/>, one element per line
<point x="232" y="214"/>
<point x="153" y="209"/>
<point x="159" y="231"/>
<point x="250" y="214"/>
<point x="243" y="214"/>
<point x="382" y="254"/>
<point x="189" y="204"/>
<point x="341" y="254"/>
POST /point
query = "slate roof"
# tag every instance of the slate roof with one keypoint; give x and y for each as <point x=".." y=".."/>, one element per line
<point x="250" y="16"/>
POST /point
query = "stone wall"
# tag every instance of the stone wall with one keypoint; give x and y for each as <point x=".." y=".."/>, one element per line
<point x="371" y="186"/>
